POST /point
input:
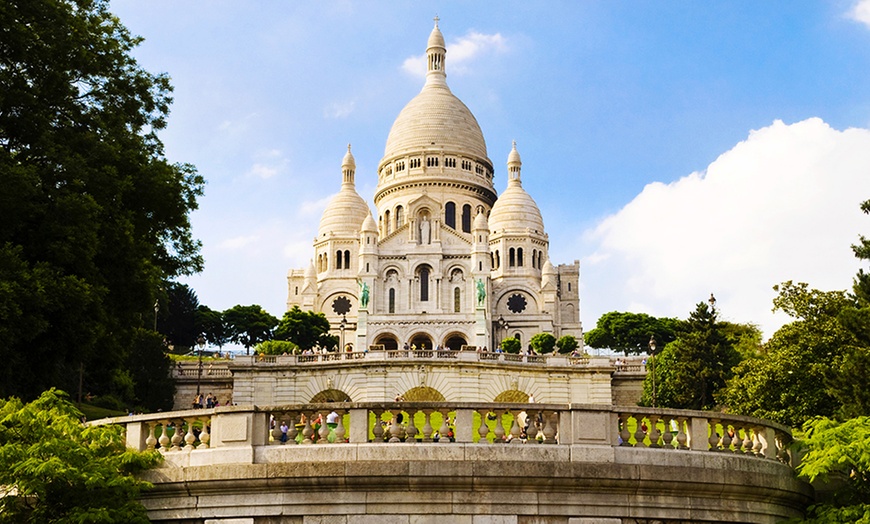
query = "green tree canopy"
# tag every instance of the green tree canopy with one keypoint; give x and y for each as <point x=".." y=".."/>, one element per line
<point x="692" y="368"/>
<point x="177" y="320"/>
<point x="511" y="345"/>
<point x="567" y="343"/>
<point x="306" y="329"/>
<point x="92" y="216"/>
<point x="630" y="332"/>
<point x="54" y="469"/>
<point x="211" y="325"/>
<point x="249" y="325"/>
<point x="543" y="343"/>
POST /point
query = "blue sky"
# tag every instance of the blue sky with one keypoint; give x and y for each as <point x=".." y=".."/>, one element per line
<point x="674" y="148"/>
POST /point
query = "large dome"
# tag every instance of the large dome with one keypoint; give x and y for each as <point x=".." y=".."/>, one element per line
<point x="435" y="119"/>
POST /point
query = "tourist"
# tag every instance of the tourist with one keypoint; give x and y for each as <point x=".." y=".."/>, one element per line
<point x="284" y="430"/>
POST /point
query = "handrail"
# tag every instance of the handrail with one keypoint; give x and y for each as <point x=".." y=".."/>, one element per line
<point x="662" y="430"/>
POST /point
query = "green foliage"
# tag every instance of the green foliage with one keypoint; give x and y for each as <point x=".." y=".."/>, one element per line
<point x="92" y="216"/>
<point x="838" y="455"/>
<point x="567" y="344"/>
<point x="796" y="377"/>
<point x="54" y="469"/>
<point x="511" y="345"/>
<point x="543" y="343"/>
<point x="276" y="347"/>
<point x="306" y="329"/>
<point x="249" y="325"/>
<point x="692" y="368"/>
<point x="149" y="366"/>
<point x="177" y="319"/>
<point x="630" y="332"/>
<point x="211" y="325"/>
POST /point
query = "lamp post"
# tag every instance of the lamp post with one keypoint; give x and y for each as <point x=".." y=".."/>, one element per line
<point x="502" y="326"/>
<point x="200" y="341"/>
<point x="341" y="327"/>
<point x="652" y="354"/>
<point x="156" y="309"/>
<point x="712" y="302"/>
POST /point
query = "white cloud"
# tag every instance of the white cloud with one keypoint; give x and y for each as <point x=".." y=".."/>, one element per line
<point x="781" y="205"/>
<point x="239" y="242"/>
<point x="861" y="12"/>
<point x="270" y="163"/>
<point x="339" y="109"/>
<point x="262" y="171"/>
<point x="460" y="53"/>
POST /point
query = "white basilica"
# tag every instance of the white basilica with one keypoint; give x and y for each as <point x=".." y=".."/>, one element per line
<point x="448" y="262"/>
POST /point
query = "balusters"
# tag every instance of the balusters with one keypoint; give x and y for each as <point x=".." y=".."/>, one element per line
<point x="276" y="430"/>
<point x="323" y="434"/>
<point x="204" y="435"/>
<point x="747" y="440"/>
<point x="378" y="429"/>
<point x="395" y="426"/>
<point x="411" y="429"/>
<point x="189" y="437"/>
<point x="483" y="430"/>
<point x="654" y="433"/>
<point x="531" y="421"/>
<point x="499" y="429"/>
<point x="639" y="433"/>
<point x="443" y="431"/>
<point x="668" y="436"/>
<point x="713" y="440"/>
<point x="176" y="436"/>
<point x="151" y="441"/>
<point x="682" y="438"/>
<point x="164" y="436"/>
<point x="515" y="428"/>
<point x="427" y="425"/>
<point x="726" y="436"/>
<point x="550" y="427"/>
<point x="307" y="430"/>
<point x="624" y="435"/>
<point x="292" y="432"/>
<point x="340" y="430"/>
<point x="757" y="444"/>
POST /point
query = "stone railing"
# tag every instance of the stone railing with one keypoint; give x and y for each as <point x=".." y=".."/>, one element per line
<point x="423" y="355"/>
<point x="448" y="423"/>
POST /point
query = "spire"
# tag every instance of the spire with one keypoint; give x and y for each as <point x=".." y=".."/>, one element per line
<point x="348" y="167"/>
<point x="514" y="164"/>
<point x="435" y="55"/>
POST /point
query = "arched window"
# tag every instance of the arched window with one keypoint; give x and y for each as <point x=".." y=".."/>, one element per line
<point x="540" y="257"/>
<point x="511" y="259"/>
<point x="392" y="300"/>
<point x="387" y="224"/>
<point x="457" y="300"/>
<point x="534" y="257"/>
<point x="450" y="215"/>
<point x="497" y="259"/>
<point x="520" y="257"/>
<point x="466" y="218"/>
<point x="424" y="284"/>
<point x="338" y="259"/>
<point x="347" y="259"/>
<point x="492" y="260"/>
<point x="325" y="261"/>
<point x="400" y="217"/>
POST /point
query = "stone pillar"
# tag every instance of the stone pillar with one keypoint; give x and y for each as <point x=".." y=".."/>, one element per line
<point x="481" y="327"/>
<point x="361" y="331"/>
<point x="359" y="426"/>
<point x="698" y="434"/>
<point x="463" y="423"/>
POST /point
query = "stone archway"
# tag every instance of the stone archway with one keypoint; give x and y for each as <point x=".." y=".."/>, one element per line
<point x="330" y="395"/>
<point x="423" y="394"/>
<point x="455" y="342"/>
<point x="390" y="342"/>
<point x="511" y="395"/>
<point x="422" y="341"/>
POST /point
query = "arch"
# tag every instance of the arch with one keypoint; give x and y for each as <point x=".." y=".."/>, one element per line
<point x="497" y="259"/>
<point x="534" y="258"/>
<point x="338" y="259"/>
<point x="512" y="258"/>
<point x="511" y="395"/>
<point x="388" y="340"/>
<point x="519" y="257"/>
<point x="387" y="223"/>
<point x="391" y="300"/>
<point x="455" y="341"/>
<point x="400" y="216"/>
<point x="423" y="394"/>
<point x="423" y="273"/>
<point x="346" y="259"/>
<point x="330" y="395"/>
<point x="450" y="215"/>
<point x="466" y="218"/>
<point x="421" y="341"/>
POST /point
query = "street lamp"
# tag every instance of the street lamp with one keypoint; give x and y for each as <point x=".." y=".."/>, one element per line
<point x="652" y="353"/>
<point x="156" y="309"/>
<point x="200" y="341"/>
<point x="502" y="326"/>
<point x="341" y="328"/>
<point x="712" y="301"/>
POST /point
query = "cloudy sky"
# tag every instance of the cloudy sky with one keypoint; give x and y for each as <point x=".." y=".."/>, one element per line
<point x="675" y="148"/>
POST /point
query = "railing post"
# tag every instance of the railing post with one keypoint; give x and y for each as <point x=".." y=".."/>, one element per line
<point x="359" y="426"/>
<point x="463" y="423"/>
<point x="137" y="433"/>
<point x="699" y="434"/>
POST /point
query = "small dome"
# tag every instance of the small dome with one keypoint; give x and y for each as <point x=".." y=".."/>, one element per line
<point x="346" y="211"/>
<point x="480" y="221"/>
<point x="515" y="209"/>
<point x="369" y="224"/>
<point x="436" y="39"/>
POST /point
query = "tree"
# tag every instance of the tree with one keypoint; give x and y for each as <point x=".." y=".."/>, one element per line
<point x="692" y="368"/>
<point x="838" y="454"/>
<point x="630" y="332"/>
<point x="511" y="345"/>
<point x="567" y="344"/>
<point x="249" y="325"/>
<point x="790" y="382"/>
<point x="543" y="343"/>
<point x="211" y="325"/>
<point x="92" y="216"/>
<point x="306" y="329"/>
<point x="177" y="320"/>
<point x="276" y="347"/>
<point x="55" y="469"/>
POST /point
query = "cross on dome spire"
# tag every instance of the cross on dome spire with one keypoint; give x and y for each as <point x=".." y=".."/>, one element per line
<point x="435" y="53"/>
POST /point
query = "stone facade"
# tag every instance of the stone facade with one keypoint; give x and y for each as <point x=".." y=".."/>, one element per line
<point x="448" y="262"/>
